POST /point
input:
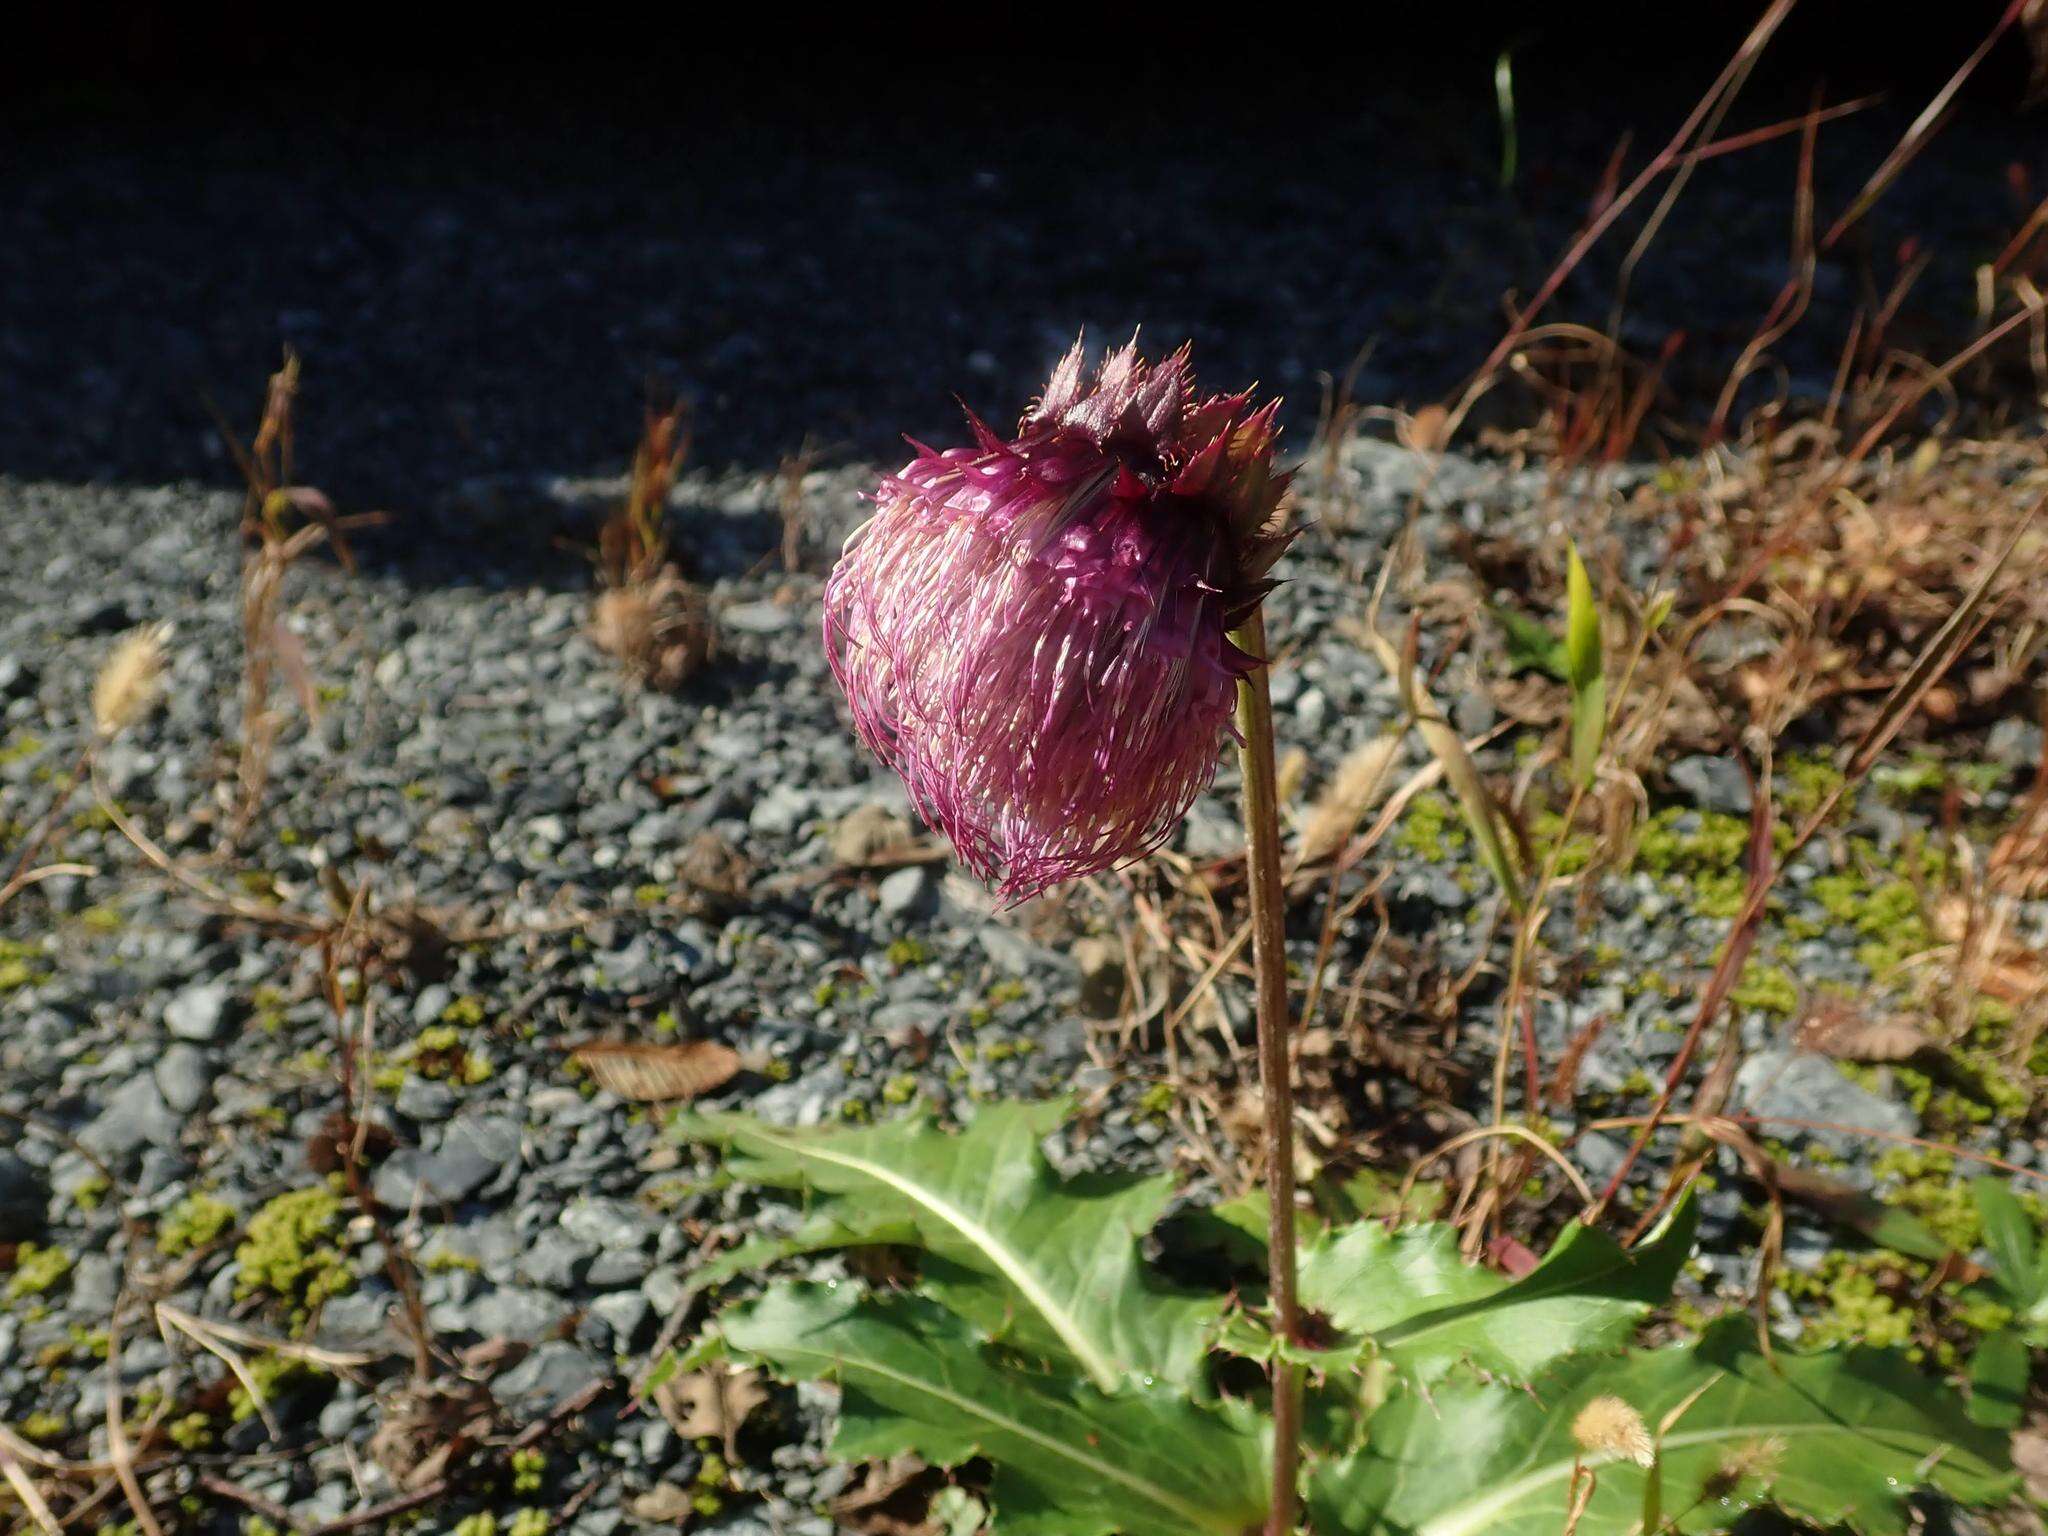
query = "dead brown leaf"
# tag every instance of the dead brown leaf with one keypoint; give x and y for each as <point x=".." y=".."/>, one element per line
<point x="661" y="630"/>
<point x="712" y="874"/>
<point x="893" y="1498"/>
<point x="2030" y="1457"/>
<point x="865" y="832"/>
<point x="665" y="1503"/>
<point x="657" y="1074"/>
<point x="710" y="1404"/>
<point x="426" y="1430"/>
<point x="1841" y="1028"/>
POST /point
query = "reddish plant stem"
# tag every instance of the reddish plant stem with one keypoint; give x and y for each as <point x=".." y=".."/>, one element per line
<point x="1269" y="960"/>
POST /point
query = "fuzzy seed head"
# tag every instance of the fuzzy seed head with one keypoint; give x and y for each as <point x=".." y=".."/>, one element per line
<point x="129" y="679"/>
<point x="1034" y="632"/>
<point x="1607" y="1426"/>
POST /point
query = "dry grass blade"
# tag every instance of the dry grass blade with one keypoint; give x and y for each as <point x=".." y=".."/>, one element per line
<point x="341" y="1360"/>
<point x="1935" y="658"/>
<point x="1735" y="951"/>
<point x="1481" y="813"/>
<point x="658" y="1074"/>
<point x="25" y="1489"/>
<point x="215" y="1343"/>
<point x="119" y="1452"/>
<point x="1916" y="136"/>
<point x="1359" y="783"/>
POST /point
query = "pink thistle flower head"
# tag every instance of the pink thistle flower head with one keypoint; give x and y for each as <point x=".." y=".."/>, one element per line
<point x="1035" y="633"/>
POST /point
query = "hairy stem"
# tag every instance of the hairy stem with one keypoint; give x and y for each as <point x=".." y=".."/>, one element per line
<point x="1269" y="958"/>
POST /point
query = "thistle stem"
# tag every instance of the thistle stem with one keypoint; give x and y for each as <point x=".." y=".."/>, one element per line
<point x="1269" y="959"/>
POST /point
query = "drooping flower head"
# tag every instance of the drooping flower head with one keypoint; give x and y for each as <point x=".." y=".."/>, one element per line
<point x="1034" y="634"/>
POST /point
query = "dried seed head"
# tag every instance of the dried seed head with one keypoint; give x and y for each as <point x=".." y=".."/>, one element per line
<point x="129" y="680"/>
<point x="1607" y="1426"/>
<point x="1034" y="633"/>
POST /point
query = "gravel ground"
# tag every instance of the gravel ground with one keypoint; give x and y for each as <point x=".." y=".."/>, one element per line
<point x="476" y="757"/>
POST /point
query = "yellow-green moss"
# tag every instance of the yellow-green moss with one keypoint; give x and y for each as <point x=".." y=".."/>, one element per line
<point x="1700" y="855"/>
<point x="465" y="1012"/>
<point x="22" y="964"/>
<point x="193" y="1432"/>
<point x="19" y="748"/>
<point x="1924" y="1183"/>
<point x="907" y="953"/>
<point x="1852" y="1309"/>
<point x="291" y="1251"/>
<point x="1430" y="830"/>
<point x="37" y="1271"/>
<point x="1804" y="782"/>
<point x="44" y="1428"/>
<point x="194" y="1222"/>
<point x="1766" y="988"/>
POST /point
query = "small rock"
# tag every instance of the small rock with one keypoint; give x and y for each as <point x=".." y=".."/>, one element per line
<point x="473" y="1153"/>
<point x="198" y="1013"/>
<point x="557" y="1259"/>
<point x="619" y="1266"/>
<point x="909" y="892"/>
<point x="626" y="1313"/>
<point x="757" y="618"/>
<point x="136" y="1116"/>
<point x="780" y="812"/>
<point x="184" y="1075"/>
<point x="552" y="1372"/>
<point x="1713" y="784"/>
<point x="511" y="1312"/>
<point x="1797" y="1085"/>
<point x="2014" y="743"/>
<point x="95" y="1283"/>
<point x="608" y="1224"/>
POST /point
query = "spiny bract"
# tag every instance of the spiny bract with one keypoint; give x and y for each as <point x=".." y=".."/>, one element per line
<point x="1034" y="634"/>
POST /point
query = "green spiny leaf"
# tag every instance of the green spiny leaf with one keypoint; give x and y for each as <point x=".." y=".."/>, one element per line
<point x="1069" y="1460"/>
<point x="1049" y="1266"/>
<point x="1428" y="1310"/>
<point x="1837" y="1439"/>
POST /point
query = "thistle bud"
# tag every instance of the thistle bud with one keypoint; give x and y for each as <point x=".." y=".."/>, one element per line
<point x="1035" y="633"/>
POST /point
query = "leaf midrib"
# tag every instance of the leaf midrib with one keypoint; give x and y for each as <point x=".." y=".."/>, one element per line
<point x="1101" y="1369"/>
<point x="1171" y="1502"/>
